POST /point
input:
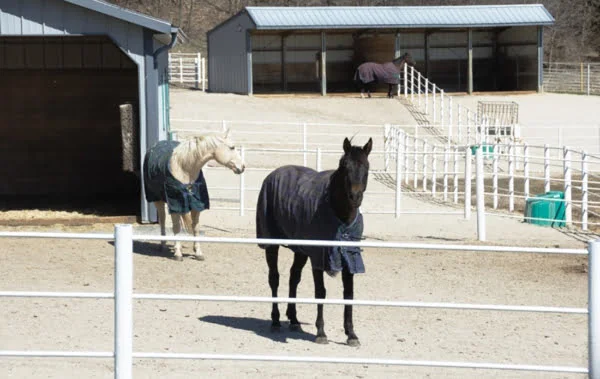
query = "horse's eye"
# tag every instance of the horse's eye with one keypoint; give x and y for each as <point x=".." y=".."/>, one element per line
<point x="231" y="147"/>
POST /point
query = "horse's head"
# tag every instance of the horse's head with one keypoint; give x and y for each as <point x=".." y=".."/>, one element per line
<point x="353" y="171"/>
<point x="405" y="58"/>
<point x="225" y="153"/>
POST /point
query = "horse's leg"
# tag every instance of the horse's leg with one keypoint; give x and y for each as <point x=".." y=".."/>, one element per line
<point x="348" y="281"/>
<point x="295" y="277"/>
<point x="320" y="293"/>
<point x="162" y="220"/>
<point x="176" y="230"/>
<point x="271" y="253"/>
<point x="196" y="230"/>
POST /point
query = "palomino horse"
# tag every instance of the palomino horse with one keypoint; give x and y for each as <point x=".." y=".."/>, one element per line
<point x="297" y="202"/>
<point x="173" y="176"/>
<point x="370" y="73"/>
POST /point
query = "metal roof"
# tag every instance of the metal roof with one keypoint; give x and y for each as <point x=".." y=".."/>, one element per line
<point x="267" y="18"/>
<point x="120" y="13"/>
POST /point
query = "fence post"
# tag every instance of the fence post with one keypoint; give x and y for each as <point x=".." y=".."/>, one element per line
<point x="123" y="301"/>
<point x="433" y="104"/>
<point x="480" y="189"/>
<point x="198" y="70"/>
<point x="446" y="173"/>
<point x="495" y="177"/>
<point x="424" y="166"/>
<point x="568" y="186"/>
<point x="405" y="81"/>
<point x="433" y="170"/>
<point x="242" y="181"/>
<point x="455" y="169"/>
<point x="180" y="70"/>
<point x="442" y="108"/>
<point x="318" y="159"/>
<point x="415" y="162"/>
<point x="419" y="88"/>
<point x="426" y="96"/>
<point x="450" y="119"/>
<point x="203" y="70"/>
<point x="546" y="168"/>
<point x="412" y="83"/>
<point x="386" y="146"/>
<point x="584" y="190"/>
<point x="399" y="154"/>
<point x="305" y="144"/>
<point x="405" y="158"/>
<point x="468" y="156"/>
<point x="594" y="309"/>
<point x="459" y="130"/>
<point x="526" y="170"/>
<point x="511" y="177"/>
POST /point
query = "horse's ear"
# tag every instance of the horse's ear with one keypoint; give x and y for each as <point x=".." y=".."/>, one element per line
<point x="347" y="145"/>
<point x="227" y="132"/>
<point x="368" y="146"/>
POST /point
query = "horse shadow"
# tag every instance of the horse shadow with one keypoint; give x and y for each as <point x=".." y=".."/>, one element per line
<point x="151" y="249"/>
<point x="260" y="327"/>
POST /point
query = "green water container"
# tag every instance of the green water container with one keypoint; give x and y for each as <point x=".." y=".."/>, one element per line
<point x="488" y="150"/>
<point x="545" y="206"/>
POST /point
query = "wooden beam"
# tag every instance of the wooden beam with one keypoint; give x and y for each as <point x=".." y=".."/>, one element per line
<point x="397" y="51"/>
<point x="470" y="61"/>
<point x="283" y="60"/>
<point x="540" y="57"/>
<point x="426" y="51"/>
<point x="249" y="62"/>
<point x="323" y="64"/>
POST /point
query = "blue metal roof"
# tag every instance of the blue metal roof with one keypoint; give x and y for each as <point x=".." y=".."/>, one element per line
<point x="273" y="18"/>
<point x="120" y="13"/>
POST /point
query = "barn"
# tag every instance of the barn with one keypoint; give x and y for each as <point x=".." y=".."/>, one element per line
<point x="317" y="49"/>
<point x="67" y="66"/>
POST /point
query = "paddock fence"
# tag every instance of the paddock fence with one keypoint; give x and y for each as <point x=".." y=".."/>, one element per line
<point x="123" y="296"/>
<point x="571" y="77"/>
<point x="188" y="69"/>
<point x="436" y="172"/>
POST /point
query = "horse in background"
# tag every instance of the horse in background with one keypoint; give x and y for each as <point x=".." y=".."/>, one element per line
<point x="370" y="73"/>
<point x="173" y="177"/>
<point x="297" y="202"/>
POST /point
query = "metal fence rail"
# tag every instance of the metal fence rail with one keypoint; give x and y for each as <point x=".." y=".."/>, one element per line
<point x="123" y="353"/>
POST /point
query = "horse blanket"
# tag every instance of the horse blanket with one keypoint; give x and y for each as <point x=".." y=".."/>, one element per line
<point x="161" y="185"/>
<point x="294" y="203"/>
<point x="382" y="73"/>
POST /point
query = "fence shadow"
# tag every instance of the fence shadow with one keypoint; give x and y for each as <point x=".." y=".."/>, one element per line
<point x="260" y="327"/>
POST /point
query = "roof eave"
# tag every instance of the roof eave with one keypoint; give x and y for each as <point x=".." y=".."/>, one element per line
<point x="120" y="13"/>
<point x="419" y="26"/>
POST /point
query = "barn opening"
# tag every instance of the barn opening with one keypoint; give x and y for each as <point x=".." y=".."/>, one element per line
<point x="60" y="132"/>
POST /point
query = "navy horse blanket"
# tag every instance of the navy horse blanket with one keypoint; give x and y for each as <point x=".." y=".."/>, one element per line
<point x="161" y="185"/>
<point x="294" y="203"/>
<point x="382" y="73"/>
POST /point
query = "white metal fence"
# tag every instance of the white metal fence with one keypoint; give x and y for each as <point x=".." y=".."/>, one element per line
<point x="123" y="295"/>
<point x="580" y="78"/>
<point x="188" y="69"/>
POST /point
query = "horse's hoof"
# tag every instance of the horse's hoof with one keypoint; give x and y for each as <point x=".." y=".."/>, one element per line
<point x="275" y="328"/>
<point x="322" y="340"/>
<point x="178" y="258"/>
<point x="295" y="328"/>
<point x="353" y="342"/>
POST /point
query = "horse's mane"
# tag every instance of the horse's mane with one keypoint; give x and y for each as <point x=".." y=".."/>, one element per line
<point x="192" y="150"/>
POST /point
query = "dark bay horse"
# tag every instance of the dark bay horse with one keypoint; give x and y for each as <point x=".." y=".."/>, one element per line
<point x="297" y="202"/>
<point x="370" y="73"/>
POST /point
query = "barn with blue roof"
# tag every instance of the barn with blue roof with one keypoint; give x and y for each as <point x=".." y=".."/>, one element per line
<point x="317" y="49"/>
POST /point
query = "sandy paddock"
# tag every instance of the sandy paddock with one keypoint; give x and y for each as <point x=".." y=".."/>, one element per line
<point x="238" y="328"/>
